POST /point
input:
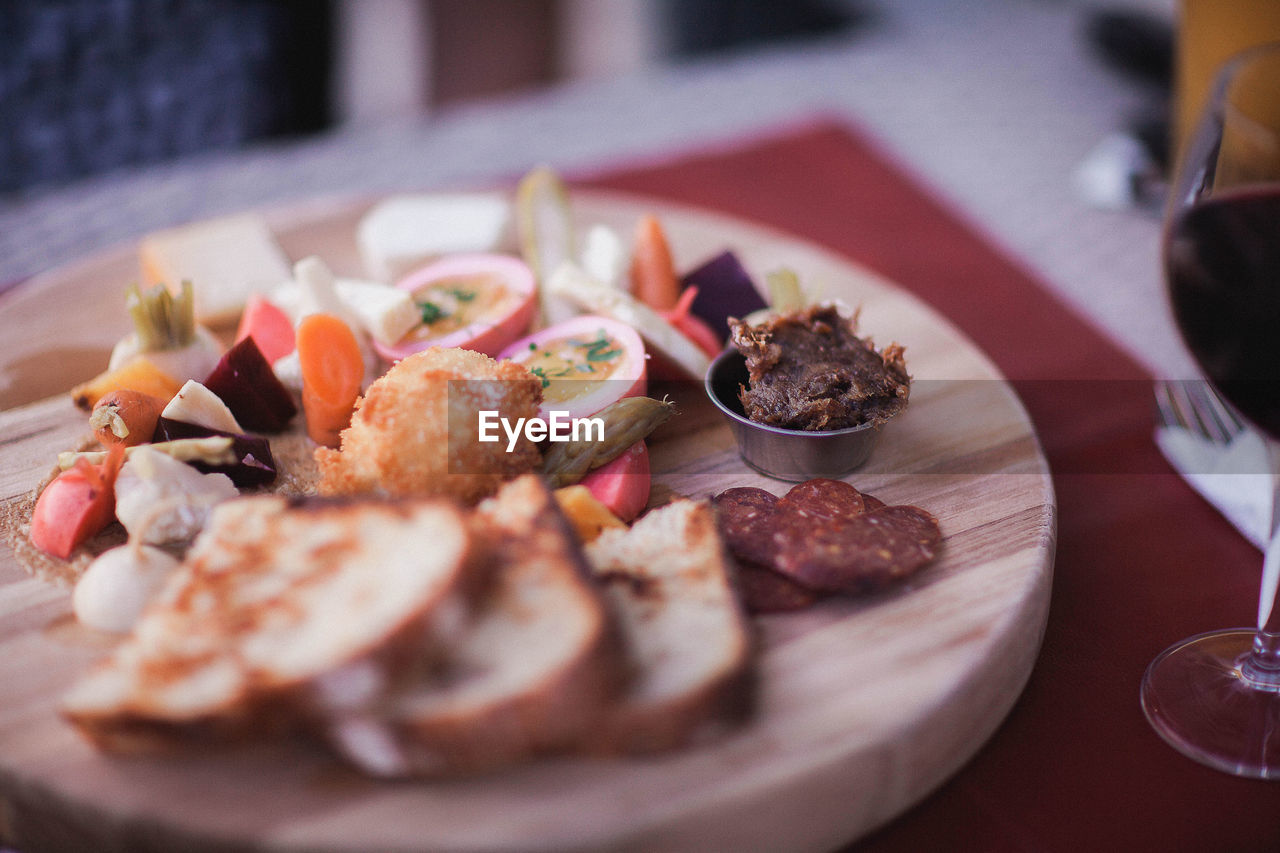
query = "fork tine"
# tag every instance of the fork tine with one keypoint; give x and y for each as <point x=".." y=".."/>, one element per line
<point x="1225" y="415"/>
<point x="1190" y="411"/>
<point x="1169" y="412"/>
<point x="1185" y="397"/>
<point x="1195" y="406"/>
<point x="1213" y="411"/>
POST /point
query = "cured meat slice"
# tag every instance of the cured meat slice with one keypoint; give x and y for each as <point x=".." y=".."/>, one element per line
<point x="824" y="500"/>
<point x="822" y="537"/>
<point x="863" y="554"/>
<point x="747" y="520"/>
<point x="765" y="591"/>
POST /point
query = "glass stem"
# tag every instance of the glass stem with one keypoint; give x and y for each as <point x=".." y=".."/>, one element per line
<point x="1261" y="667"/>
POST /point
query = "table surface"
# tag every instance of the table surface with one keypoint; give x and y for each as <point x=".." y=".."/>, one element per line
<point x="989" y="106"/>
<point x="993" y="103"/>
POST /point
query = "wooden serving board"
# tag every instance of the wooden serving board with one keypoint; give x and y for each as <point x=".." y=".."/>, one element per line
<point x="865" y="705"/>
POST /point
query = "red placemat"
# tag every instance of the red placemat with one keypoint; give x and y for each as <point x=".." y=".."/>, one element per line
<point x="1142" y="561"/>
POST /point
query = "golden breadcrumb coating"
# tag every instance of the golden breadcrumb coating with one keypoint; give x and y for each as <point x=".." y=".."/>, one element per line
<point x="413" y="433"/>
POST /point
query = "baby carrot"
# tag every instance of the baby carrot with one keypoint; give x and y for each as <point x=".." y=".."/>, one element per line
<point x="125" y="417"/>
<point x="653" y="273"/>
<point x="332" y="369"/>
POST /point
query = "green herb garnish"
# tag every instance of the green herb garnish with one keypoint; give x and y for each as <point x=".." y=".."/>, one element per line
<point x="597" y="350"/>
<point x="460" y="294"/>
<point x="431" y="312"/>
<point x="541" y="374"/>
<point x="603" y="355"/>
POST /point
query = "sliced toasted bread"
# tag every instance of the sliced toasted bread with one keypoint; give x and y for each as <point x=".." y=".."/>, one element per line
<point x="273" y="595"/>
<point x="671" y="585"/>
<point x="531" y="674"/>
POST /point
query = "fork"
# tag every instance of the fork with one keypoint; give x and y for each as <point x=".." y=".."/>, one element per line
<point x="1193" y="405"/>
<point x="1210" y="446"/>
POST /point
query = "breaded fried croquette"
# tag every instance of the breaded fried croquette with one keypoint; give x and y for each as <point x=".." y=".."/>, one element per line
<point x="416" y="433"/>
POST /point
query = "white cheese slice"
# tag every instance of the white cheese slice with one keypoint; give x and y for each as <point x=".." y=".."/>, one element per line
<point x="224" y="259"/>
<point x="196" y="404"/>
<point x="318" y="292"/>
<point x="406" y="231"/>
<point x="387" y="313"/>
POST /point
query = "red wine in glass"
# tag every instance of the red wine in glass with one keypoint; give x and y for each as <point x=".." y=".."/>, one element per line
<point x="1216" y="696"/>
<point x="1223" y="266"/>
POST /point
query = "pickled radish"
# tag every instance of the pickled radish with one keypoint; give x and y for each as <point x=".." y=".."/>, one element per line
<point x="268" y="325"/>
<point x="478" y="302"/>
<point x="623" y="484"/>
<point x="585" y="364"/>
<point x="691" y="326"/>
<point x="75" y="505"/>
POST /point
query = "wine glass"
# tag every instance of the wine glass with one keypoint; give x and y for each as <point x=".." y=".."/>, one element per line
<point x="1216" y="696"/>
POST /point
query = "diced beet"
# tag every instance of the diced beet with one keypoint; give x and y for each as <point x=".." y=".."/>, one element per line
<point x="725" y="290"/>
<point x="246" y="383"/>
<point x="255" y="466"/>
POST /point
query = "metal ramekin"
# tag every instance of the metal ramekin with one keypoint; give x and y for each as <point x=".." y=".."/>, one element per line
<point x="784" y="454"/>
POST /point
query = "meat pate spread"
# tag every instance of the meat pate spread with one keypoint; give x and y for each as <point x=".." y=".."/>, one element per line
<point x="808" y="371"/>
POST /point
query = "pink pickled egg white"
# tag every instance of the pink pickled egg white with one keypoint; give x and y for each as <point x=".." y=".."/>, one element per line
<point x="630" y="376"/>
<point x="490" y="335"/>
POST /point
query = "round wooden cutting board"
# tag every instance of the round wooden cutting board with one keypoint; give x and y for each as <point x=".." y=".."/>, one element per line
<point x="864" y="705"/>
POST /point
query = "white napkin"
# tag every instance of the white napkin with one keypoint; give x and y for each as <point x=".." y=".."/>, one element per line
<point x="1233" y="477"/>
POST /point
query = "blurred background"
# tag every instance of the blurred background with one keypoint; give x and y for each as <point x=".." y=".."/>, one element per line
<point x="89" y="86"/>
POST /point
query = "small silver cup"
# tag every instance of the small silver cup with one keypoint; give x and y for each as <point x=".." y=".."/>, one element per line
<point x="784" y="454"/>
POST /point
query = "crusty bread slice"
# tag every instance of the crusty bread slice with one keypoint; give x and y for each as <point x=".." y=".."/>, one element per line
<point x="671" y="585"/>
<point x="531" y="674"/>
<point x="272" y="596"/>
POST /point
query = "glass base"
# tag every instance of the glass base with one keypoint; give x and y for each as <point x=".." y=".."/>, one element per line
<point x="1198" y="699"/>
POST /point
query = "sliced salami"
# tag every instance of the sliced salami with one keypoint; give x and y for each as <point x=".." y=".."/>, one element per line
<point x="824" y="500"/>
<point x="862" y="554"/>
<point x="823" y="537"/>
<point x="765" y="591"/>
<point x="747" y="518"/>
